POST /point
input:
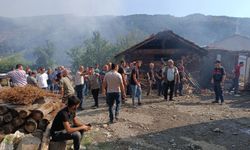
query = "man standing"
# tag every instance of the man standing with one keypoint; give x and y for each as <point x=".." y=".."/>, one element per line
<point x="218" y="79"/>
<point x="79" y="82"/>
<point x="42" y="79"/>
<point x="18" y="76"/>
<point x="66" y="86"/>
<point x="170" y="76"/>
<point x="179" y="84"/>
<point x="66" y="126"/>
<point x="114" y="85"/>
<point x="94" y="84"/>
<point x="124" y="77"/>
<point x="135" y="83"/>
<point x="31" y="79"/>
<point x="158" y="77"/>
<point x="151" y="78"/>
<point x="236" y="79"/>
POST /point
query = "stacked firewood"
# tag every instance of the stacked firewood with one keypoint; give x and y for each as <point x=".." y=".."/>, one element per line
<point x="29" y="110"/>
<point x="27" y="119"/>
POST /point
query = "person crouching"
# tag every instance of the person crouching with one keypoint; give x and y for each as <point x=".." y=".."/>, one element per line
<point x="66" y="126"/>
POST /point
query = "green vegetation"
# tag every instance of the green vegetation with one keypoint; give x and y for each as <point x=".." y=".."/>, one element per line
<point x="98" y="50"/>
<point x="44" y="55"/>
<point x="8" y="63"/>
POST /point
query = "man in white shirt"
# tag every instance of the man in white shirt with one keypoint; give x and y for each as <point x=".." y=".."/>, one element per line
<point x="79" y="82"/>
<point x="42" y="78"/>
<point x="114" y="84"/>
<point x="170" y="76"/>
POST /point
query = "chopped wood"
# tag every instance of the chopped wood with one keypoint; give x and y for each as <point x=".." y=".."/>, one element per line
<point x="17" y="122"/>
<point x="3" y="109"/>
<point x="42" y="124"/>
<point x="7" y="128"/>
<point x="1" y="120"/>
<point x="42" y="111"/>
<point x="7" y="117"/>
<point x="30" y="125"/>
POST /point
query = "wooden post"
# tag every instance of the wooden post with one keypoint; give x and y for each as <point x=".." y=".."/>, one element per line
<point x="30" y="125"/>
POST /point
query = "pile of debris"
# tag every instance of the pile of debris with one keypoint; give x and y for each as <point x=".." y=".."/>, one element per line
<point x="32" y="118"/>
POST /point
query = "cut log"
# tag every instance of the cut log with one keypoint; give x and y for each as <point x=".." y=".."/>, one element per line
<point x="30" y="125"/>
<point x="29" y="143"/>
<point x="17" y="122"/>
<point x="42" y="124"/>
<point x="1" y="120"/>
<point x="24" y="113"/>
<point x="42" y="111"/>
<point x="7" y="117"/>
<point x="14" y="113"/>
<point x="8" y="128"/>
<point x="38" y="133"/>
<point x="3" y="109"/>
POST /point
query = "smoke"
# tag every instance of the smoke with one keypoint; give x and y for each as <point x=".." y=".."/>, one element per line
<point x="20" y="8"/>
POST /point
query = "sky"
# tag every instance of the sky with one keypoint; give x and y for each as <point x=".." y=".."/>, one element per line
<point x="21" y="8"/>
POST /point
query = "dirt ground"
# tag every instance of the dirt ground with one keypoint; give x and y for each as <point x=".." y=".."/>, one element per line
<point x="189" y="123"/>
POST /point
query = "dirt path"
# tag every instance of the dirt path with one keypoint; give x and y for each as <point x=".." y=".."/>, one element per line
<point x="189" y="123"/>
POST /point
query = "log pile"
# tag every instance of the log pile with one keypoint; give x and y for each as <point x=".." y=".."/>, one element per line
<point x="28" y="110"/>
<point x="27" y="118"/>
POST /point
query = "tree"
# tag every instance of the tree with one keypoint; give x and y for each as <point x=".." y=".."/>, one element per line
<point x="132" y="38"/>
<point x="10" y="62"/>
<point x="95" y="50"/>
<point x="44" y="55"/>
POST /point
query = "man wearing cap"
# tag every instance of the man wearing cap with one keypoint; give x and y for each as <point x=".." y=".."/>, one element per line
<point x="219" y="76"/>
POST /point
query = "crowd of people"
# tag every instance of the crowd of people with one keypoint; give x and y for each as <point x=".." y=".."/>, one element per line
<point x="116" y="83"/>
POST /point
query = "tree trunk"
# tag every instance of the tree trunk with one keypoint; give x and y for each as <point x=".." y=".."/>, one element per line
<point x="43" y="124"/>
<point x="24" y="113"/>
<point x="3" y="109"/>
<point x="8" y="128"/>
<point x="14" y="113"/>
<point x="7" y="117"/>
<point x="30" y="125"/>
<point x="17" y="122"/>
<point x="42" y="111"/>
<point x="1" y="120"/>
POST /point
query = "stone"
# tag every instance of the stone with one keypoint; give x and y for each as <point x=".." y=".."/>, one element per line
<point x="218" y="130"/>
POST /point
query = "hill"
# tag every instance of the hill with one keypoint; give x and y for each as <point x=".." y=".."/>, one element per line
<point x="67" y="31"/>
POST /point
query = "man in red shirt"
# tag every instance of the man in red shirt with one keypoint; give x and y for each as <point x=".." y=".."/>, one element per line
<point x="235" y="84"/>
